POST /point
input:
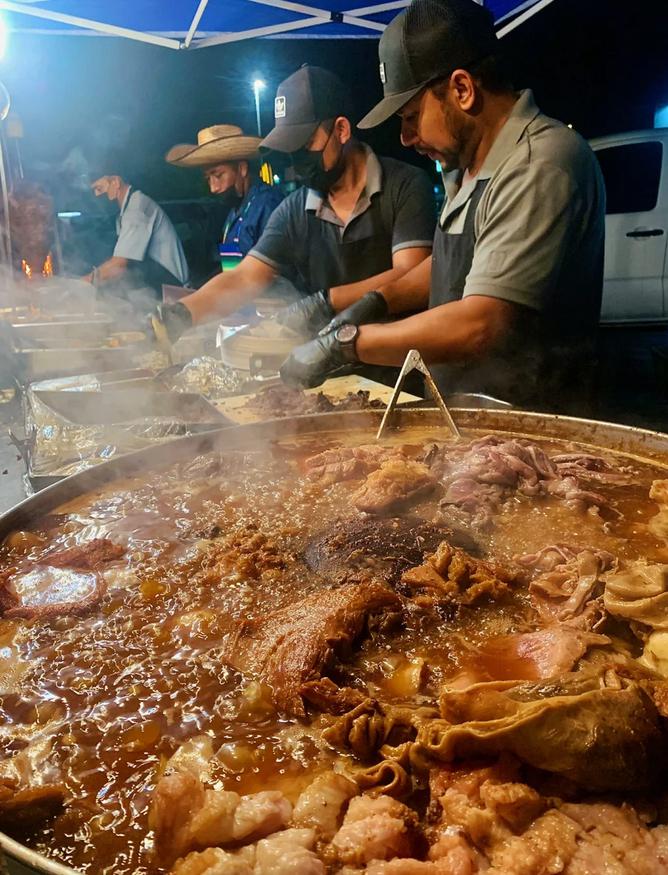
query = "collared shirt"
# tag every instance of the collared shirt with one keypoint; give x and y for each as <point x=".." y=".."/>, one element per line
<point x="146" y="232"/>
<point x="245" y="224"/>
<point x="540" y="223"/>
<point x="528" y="229"/>
<point x="307" y="242"/>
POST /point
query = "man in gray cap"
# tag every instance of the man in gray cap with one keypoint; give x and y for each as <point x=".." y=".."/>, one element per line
<point x="515" y="280"/>
<point x="360" y="221"/>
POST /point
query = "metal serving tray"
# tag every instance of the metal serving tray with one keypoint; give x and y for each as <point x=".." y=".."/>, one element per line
<point x="39" y="364"/>
<point x="40" y="333"/>
<point x="112" y="406"/>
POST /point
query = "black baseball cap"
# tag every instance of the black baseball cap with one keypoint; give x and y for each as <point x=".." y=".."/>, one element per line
<point x="303" y="101"/>
<point x="427" y="41"/>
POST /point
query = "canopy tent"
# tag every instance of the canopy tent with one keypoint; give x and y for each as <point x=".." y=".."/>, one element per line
<point x="189" y="24"/>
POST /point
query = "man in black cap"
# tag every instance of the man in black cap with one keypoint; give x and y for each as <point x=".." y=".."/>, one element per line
<point x="515" y="280"/>
<point x="359" y="221"/>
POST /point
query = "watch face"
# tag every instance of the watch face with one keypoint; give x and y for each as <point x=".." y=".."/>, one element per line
<point x="346" y="333"/>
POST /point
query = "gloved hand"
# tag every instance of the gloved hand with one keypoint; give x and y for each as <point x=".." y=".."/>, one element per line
<point x="310" y="364"/>
<point x="308" y="315"/>
<point x="372" y="307"/>
<point x="174" y="318"/>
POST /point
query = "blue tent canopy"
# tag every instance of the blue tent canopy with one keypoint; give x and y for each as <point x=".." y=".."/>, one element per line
<point x="180" y="24"/>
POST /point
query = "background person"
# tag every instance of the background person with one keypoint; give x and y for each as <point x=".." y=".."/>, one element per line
<point x="359" y="221"/>
<point x="230" y="161"/>
<point x="148" y="252"/>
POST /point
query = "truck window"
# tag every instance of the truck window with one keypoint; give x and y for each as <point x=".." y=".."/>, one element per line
<point x="632" y="174"/>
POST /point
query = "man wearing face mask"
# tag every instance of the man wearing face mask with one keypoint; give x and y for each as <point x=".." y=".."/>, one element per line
<point x="230" y="161"/>
<point x="358" y="222"/>
<point x="515" y="281"/>
<point x="148" y="252"/>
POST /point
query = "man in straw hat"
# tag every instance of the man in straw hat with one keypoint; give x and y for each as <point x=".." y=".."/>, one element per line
<point x="358" y="222"/>
<point x="230" y="159"/>
<point x="148" y="252"/>
<point x="515" y="280"/>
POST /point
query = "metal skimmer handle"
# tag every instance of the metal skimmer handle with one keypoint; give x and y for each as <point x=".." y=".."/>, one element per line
<point x="414" y="362"/>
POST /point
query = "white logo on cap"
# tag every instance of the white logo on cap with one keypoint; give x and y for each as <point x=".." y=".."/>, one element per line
<point x="279" y="107"/>
<point x="383" y="75"/>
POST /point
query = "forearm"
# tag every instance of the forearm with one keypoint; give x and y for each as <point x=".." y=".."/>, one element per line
<point x="409" y="293"/>
<point x="343" y="296"/>
<point x="224" y="294"/>
<point x="110" y="270"/>
<point x="453" y="332"/>
<point x="405" y="263"/>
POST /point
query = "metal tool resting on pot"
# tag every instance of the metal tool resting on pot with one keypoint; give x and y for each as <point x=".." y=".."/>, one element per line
<point x="414" y="362"/>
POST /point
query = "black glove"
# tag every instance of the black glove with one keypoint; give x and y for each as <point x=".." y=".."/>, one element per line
<point x="175" y="319"/>
<point x="308" y="315"/>
<point x="372" y="307"/>
<point x="308" y="365"/>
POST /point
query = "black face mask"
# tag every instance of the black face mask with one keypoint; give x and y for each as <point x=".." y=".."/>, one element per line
<point x="310" y="169"/>
<point x="230" y="198"/>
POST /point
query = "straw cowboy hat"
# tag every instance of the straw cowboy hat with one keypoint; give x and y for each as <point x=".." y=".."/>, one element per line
<point x="215" y="145"/>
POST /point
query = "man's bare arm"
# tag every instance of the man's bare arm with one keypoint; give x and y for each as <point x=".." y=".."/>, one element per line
<point x="403" y="262"/>
<point x="459" y="330"/>
<point x="226" y="292"/>
<point x="110" y="270"/>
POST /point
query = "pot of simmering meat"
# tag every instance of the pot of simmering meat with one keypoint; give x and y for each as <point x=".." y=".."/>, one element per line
<point x="579" y="454"/>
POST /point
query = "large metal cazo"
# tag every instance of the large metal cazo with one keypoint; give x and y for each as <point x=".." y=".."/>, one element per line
<point x="640" y="444"/>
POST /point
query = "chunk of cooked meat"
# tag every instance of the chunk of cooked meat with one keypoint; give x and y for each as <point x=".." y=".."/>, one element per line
<point x="385" y="545"/>
<point x="597" y="468"/>
<point x="288" y="851"/>
<point x="371" y="724"/>
<point x="45" y="592"/>
<point x="322" y="804"/>
<point x="291" y="646"/>
<point x="393" y="484"/>
<point x="518" y="832"/>
<point x="22" y="810"/>
<point x="597" y="729"/>
<point x="349" y="463"/>
<point x="451" y="576"/>
<point x="639" y="593"/>
<point x="246" y="550"/>
<point x="326" y="696"/>
<point x="185" y="816"/>
<point x="480" y="477"/>
<point x="90" y="556"/>
<point x="544" y="653"/>
<point x="378" y="828"/>
<point x="215" y="861"/>
<point x="571" y="591"/>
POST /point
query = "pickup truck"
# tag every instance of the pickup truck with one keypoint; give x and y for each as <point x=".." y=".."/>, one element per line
<point x="635" y="169"/>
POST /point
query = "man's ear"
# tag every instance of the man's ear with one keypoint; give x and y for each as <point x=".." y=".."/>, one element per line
<point x="243" y="169"/>
<point x="343" y="129"/>
<point x="463" y="89"/>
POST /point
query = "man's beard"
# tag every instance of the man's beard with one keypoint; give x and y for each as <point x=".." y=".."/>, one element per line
<point x="460" y="127"/>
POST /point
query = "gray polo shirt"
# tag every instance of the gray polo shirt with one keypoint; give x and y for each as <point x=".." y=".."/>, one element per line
<point x="306" y="241"/>
<point x="145" y="231"/>
<point x="529" y="229"/>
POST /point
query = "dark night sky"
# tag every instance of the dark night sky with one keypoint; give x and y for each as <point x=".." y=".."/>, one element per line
<point x="601" y="65"/>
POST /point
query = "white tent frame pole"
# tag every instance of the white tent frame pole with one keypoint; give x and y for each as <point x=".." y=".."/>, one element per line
<point x="379" y="7"/>
<point x="255" y="32"/>
<point x="325" y="14"/>
<point x="531" y="11"/>
<point x="195" y="23"/>
<point x="89" y="24"/>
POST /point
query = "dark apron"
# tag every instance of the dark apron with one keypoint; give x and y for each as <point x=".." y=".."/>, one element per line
<point x="352" y="261"/>
<point x="510" y="372"/>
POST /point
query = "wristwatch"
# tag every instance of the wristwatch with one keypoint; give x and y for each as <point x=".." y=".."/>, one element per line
<point x="346" y="335"/>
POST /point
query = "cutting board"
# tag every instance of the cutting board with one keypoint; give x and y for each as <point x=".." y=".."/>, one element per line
<point x="234" y="407"/>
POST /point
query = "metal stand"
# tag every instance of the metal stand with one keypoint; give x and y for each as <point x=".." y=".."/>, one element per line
<point x="414" y="362"/>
